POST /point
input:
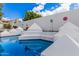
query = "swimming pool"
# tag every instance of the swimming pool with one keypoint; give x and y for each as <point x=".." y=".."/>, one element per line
<point x="11" y="46"/>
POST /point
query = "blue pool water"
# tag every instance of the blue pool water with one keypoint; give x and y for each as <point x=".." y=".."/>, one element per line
<point x="11" y="46"/>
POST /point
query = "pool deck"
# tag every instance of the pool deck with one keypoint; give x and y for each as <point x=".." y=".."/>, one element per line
<point x="37" y="35"/>
<point x="9" y="35"/>
<point x="33" y="35"/>
<point x="62" y="47"/>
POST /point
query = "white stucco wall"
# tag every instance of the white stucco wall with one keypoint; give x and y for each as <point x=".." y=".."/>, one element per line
<point x="45" y="24"/>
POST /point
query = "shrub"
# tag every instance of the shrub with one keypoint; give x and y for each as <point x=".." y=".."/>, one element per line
<point x="7" y="26"/>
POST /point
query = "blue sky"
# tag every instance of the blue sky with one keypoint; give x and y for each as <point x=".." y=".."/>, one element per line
<point x="17" y="10"/>
<point x="12" y="10"/>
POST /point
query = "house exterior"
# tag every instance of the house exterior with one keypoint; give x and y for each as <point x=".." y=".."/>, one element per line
<point x="55" y="21"/>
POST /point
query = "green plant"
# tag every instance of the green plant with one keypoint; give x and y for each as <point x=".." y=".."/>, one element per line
<point x="7" y="26"/>
<point x="1" y="14"/>
<point x="31" y="15"/>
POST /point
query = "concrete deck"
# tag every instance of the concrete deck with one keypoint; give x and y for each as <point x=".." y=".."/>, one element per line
<point x="37" y="35"/>
<point x="64" y="46"/>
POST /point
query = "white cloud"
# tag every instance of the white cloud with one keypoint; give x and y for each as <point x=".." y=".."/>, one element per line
<point x="41" y="3"/>
<point x="45" y="13"/>
<point x="63" y="8"/>
<point x="38" y="8"/>
<point x="5" y="18"/>
<point x="74" y="6"/>
<point x="20" y="19"/>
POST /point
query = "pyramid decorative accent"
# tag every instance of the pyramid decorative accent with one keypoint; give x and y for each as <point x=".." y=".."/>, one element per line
<point x="35" y="28"/>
